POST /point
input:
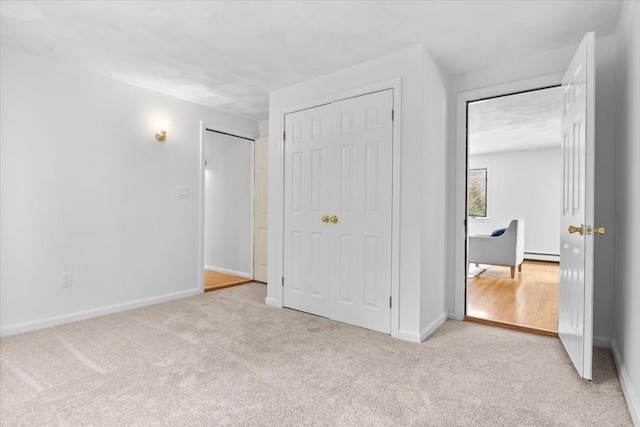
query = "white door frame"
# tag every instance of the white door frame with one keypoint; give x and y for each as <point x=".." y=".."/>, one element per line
<point x="204" y="125"/>
<point x="276" y="246"/>
<point x="460" y="230"/>
<point x="262" y="138"/>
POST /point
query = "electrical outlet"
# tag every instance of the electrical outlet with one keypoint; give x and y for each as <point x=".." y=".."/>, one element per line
<point x="67" y="280"/>
<point x="182" y="193"/>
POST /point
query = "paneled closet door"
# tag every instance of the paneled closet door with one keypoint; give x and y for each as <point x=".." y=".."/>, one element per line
<point x="307" y="199"/>
<point x="338" y="206"/>
<point x="362" y="132"/>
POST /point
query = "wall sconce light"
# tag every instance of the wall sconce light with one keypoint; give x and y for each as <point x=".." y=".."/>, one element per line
<point x="161" y="134"/>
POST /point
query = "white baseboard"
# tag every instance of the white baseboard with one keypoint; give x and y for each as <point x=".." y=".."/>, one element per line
<point x="452" y="315"/>
<point x="416" y="337"/>
<point x="227" y="271"/>
<point x="88" y="314"/>
<point x="409" y="336"/>
<point x="541" y="257"/>
<point x="272" y="302"/>
<point x="601" y="342"/>
<point x="432" y="327"/>
<point x="627" y="387"/>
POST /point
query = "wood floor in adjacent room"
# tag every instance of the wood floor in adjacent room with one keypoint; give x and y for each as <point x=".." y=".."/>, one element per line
<point x="529" y="301"/>
<point x="214" y="280"/>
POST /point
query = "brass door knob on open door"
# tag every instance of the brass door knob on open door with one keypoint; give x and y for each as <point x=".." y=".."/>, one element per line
<point x="325" y="218"/>
<point x="574" y="229"/>
<point x="334" y="219"/>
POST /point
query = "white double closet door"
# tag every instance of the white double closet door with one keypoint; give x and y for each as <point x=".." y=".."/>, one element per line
<point x="338" y="210"/>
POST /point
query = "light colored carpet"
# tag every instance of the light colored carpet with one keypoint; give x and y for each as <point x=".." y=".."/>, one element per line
<point x="224" y="358"/>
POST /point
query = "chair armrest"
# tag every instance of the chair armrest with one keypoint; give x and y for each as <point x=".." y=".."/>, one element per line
<point x="492" y="250"/>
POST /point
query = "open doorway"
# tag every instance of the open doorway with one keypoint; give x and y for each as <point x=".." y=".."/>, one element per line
<point x="228" y="209"/>
<point x="514" y="170"/>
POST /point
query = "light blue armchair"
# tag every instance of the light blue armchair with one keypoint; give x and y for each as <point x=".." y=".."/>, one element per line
<point x="506" y="250"/>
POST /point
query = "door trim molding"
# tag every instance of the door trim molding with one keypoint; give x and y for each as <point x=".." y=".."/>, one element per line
<point x="459" y="229"/>
<point x="262" y="139"/>
<point x="201" y="170"/>
<point x="276" y="246"/>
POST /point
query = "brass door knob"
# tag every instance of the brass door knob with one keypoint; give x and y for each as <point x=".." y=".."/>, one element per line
<point x="599" y="230"/>
<point x="325" y="218"/>
<point x="574" y="229"/>
<point x="334" y="219"/>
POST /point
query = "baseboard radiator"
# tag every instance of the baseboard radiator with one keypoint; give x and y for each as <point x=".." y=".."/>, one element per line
<point x="539" y="256"/>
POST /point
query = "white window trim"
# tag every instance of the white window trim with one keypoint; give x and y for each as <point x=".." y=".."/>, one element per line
<point x="487" y="200"/>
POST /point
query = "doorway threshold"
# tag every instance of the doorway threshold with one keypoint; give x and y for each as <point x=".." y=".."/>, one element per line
<point x="214" y="280"/>
<point x="512" y="326"/>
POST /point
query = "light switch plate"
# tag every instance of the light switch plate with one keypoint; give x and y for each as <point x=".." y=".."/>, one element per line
<point x="67" y="280"/>
<point x="183" y="193"/>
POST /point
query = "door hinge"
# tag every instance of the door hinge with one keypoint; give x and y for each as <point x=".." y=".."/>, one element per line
<point x="282" y="280"/>
<point x="392" y="114"/>
<point x="390" y="302"/>
<point x="284" y="135"/>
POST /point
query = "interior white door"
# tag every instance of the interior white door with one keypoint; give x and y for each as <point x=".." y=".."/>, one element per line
<point x="338" y="207"/>
<point x="307" y="199"/>
<point x="575" y="325"/>
<point x="260" y="208"/>
<point x="361" y="241"/>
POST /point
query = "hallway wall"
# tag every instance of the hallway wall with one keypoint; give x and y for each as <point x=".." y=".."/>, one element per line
<point x="228" y="204"/>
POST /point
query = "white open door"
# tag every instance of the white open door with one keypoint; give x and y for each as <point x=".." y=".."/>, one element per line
<point x="575" y="324"/>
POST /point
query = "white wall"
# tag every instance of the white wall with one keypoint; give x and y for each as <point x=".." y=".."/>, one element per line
<point x="228" y="212"/>
<point x="433" y="237"/>
<point x="86" y="188"/>
<point x="542" y="64"/>
<point x="523" y="184"/>
<point x="423" y="129"/>
<point x="263" y="128"/>
<point x="626" y="343"/>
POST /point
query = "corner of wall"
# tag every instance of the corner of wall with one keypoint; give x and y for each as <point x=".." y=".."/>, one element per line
<point x="626" y="343"/>
<point x="630" y="393"/>
<point x="434" y="272"/>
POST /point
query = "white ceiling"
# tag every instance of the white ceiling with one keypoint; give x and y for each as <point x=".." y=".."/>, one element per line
<point x="523" y="121"/>
<point x="230" y="55"/>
